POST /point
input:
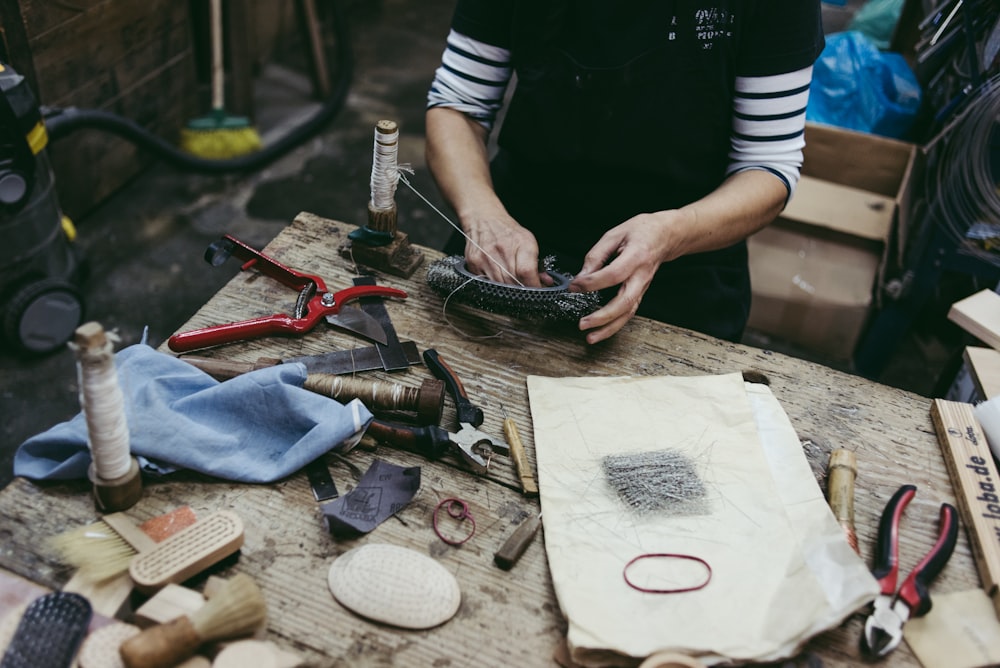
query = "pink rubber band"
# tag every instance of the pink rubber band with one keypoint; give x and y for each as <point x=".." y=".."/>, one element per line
<point x="459" y="510"/>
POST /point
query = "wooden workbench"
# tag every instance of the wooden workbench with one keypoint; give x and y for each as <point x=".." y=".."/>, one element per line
<point x="506" y="618"/>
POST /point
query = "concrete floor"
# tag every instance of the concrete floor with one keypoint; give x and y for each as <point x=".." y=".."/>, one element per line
<point x="144" y="246"/>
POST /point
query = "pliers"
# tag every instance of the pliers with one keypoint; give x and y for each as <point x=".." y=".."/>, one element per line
<point x="433" y="442"/>
<point x="470" y="416"/>
<point x="892" y="609"/>
<point x="473" y="447"/>
<point x="314" y="302"/>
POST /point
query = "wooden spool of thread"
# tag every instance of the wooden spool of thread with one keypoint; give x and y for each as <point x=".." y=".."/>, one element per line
<point x="382" y="212"/>
<point x="115" y="475"/>
<point x="840" y="491"/>
<point x="427" y="401"/>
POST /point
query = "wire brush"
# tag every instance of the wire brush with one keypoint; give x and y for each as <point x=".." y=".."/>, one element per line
<point x="450" y="278"/>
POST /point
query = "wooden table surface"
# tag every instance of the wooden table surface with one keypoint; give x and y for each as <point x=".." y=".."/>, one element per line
<point x="506" y="618"/>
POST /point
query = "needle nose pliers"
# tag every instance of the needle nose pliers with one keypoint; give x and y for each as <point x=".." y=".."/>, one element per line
<point x="892" y="609"/>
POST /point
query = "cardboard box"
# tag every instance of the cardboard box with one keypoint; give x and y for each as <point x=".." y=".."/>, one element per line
<point x="815" y="271"/>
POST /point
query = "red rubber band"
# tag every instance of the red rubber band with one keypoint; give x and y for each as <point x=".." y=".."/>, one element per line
<point x="456" y="509"/>
<point x="664" y="555"/>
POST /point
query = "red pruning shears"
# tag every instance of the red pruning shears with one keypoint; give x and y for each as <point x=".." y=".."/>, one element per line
<point x="314" y="302"/>
<point x="891" y="609"/>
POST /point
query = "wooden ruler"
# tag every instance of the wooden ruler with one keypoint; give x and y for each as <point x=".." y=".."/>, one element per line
<point x="977" y="486"/>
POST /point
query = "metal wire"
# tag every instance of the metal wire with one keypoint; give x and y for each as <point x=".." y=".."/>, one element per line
<point x="961" y="185"/>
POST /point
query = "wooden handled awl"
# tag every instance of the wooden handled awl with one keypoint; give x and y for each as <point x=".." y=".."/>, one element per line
<point x="840" y="491"/>
<point x="517" y="543"/>
<point x="520" y="457"/>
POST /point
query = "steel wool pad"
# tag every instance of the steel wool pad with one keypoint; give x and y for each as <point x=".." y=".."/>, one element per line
<point x="450" y="279"/>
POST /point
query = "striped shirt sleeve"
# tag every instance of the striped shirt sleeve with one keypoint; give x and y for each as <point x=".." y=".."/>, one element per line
<point x="769" y="118"/>
<point x="472" y="78"/>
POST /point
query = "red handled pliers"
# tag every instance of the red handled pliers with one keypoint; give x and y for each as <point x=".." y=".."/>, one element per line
<point x="314" y="302"/>
<point x="891" y="609"/>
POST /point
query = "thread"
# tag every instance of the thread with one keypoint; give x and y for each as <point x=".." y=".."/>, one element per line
<point x="385" y="165"/>
<point x="387" y="396"/>
<point x="448" y="220"/>
<point x="101" y="401"/>
<point x="657" y="481"/>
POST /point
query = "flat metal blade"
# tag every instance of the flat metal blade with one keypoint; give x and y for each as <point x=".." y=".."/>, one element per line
<point x="354" y="360"/>
<point x="393" y="356"/>
<point x="355" y="320"/>
<point x="320" y="480"/>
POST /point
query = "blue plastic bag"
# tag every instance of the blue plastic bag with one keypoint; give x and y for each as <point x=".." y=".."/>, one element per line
<point x="858" y="87"/>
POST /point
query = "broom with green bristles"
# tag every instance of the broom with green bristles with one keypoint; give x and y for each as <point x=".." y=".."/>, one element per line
<point x="218" y="135"/>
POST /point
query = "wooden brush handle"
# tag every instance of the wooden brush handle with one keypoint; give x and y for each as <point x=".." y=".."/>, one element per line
<point x="161" y="646"/>
<point x="840" y="490"/>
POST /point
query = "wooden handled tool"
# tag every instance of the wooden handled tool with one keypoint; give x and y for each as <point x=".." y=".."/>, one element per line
<point x="517" y="543"/>
<point x="519" y="456"/>
<point x="427" y="401"/>
<point x="843" y="470"/>
<point x="236" y="609"/>
<point x="226" y="369"/>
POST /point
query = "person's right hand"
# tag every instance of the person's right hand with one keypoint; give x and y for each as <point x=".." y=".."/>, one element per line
<point x="499" y="239"/>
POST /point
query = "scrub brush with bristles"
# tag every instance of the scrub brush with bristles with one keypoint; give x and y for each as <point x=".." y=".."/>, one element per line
<point x="219" y="135"/>
<point x="104" y="549"/>
<point x="237" y="608"/>
<point x="101" y="550"/>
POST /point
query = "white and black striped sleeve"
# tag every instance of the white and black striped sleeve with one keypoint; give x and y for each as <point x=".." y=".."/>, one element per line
<point x="472" y="78"/>
<point x="769" y="118"/>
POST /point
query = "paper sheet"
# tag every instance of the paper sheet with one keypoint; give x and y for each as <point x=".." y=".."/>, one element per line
<point x="960" y="631"/>
<point x="782" y="569"/>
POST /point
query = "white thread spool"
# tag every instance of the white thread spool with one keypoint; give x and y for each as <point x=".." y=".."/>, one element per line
<point x="385" y="165"/>
<point x="113" y="470"/>
<point x="384" y="178"/>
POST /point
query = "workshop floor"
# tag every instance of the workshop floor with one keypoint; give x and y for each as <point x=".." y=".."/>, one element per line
<point x="144" y="246"/>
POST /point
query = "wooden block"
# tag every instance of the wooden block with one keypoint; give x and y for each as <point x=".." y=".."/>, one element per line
<point x="979" y="315"/>
<point x="168" y="604"/>
<point x="984" y="366"/>
<point x="976" y="481"/>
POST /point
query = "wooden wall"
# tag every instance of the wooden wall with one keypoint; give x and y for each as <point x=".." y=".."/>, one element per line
<point x="145" y="60"/>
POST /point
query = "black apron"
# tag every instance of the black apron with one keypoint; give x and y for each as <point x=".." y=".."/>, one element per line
<point x="584" y="148"/>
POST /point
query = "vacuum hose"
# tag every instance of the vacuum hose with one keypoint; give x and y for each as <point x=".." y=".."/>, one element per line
<point x="61" y="122"/>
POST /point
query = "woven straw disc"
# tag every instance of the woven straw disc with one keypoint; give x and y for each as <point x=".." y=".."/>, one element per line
<point x="394" y="585"/>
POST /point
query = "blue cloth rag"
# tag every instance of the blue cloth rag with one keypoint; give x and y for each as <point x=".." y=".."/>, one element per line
<point x="258" y="427"/>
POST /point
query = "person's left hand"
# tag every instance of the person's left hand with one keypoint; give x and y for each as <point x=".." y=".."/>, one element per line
<point x="628" y="255"/>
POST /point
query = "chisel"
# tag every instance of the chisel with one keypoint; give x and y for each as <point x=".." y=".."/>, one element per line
<point x="517" y="543"/>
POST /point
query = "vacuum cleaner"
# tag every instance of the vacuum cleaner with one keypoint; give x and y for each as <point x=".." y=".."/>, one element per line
<point x="40" y="302"/>
<point x="39" y="268"/>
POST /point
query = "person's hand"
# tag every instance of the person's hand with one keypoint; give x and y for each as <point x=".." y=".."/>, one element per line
<point x="627" y="256"/>
<point x="500" y="239"/>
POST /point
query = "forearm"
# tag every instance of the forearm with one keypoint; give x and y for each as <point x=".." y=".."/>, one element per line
<point x="498" y="247"/>
<point x="457" y="158"/>
<point x="745" y="203"/>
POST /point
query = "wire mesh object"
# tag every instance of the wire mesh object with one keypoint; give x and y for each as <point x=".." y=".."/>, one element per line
<point x="962" y="179"/>
<point x="450" y="278"/>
